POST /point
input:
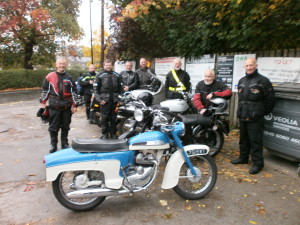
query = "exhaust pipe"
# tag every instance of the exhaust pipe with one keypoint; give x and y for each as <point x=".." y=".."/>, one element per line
<point x="98" y="192"/>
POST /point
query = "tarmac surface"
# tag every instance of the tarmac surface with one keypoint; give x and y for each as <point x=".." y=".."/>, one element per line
<point x="271" y="197"/>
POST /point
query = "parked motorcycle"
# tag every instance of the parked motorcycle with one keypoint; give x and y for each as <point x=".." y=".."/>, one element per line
<point x="93" y="169"/>
<point x="208" y="130"/>
<point x="182" y="106"/>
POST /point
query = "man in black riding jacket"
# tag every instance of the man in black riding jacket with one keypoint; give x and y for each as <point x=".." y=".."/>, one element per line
<point x="256" y="99"/>
<point x="87" y="84"/>
<point x="130" y="79"/>
<point x="60" y="91"/>
<point x="177" y="80"/>
<point x="147" y="77"/>
<point x="107" y="87"/>
<point x="208" y="88"/>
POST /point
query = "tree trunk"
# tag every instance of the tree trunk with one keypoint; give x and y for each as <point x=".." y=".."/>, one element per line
<point x="28" y="52"/>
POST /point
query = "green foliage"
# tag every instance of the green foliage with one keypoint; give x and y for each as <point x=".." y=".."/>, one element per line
<point x="28" y="78"/>
<point x="192" y="28"/>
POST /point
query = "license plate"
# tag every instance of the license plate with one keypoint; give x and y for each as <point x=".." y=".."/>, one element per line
<point x="197" y="152"/>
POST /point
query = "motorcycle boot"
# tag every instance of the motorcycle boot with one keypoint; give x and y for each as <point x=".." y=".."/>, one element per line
<point x="53" y="138"/>
<point x="104" y="136"/>
<point x="64" y="139"/>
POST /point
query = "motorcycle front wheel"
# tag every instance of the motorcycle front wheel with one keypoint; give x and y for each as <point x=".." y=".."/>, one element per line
<point x="196" y="187"/>
<point x="98" y="118"/>
<point x="214" y="139"/>
<point x="64" y="184"/>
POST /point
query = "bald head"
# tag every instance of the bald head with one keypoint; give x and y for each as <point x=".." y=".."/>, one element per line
<point x="61" y="65"/>
<point x="250" y="65"/>
<point x="177" y="64"/>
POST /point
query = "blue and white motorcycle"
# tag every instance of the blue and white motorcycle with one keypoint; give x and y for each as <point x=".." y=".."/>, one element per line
<point x="84" y="175"/>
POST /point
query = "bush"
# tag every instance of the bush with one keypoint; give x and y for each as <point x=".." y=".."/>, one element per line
<point x="28" y="78"/>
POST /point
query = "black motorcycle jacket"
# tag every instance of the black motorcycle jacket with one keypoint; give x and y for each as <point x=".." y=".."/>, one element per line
<point x="171" y="83"/>
<point x="60" y="90"/>
<point x="146" y="78"/>
<point x="107" y="86"/>
<point x="130" y="79"/>
<point x="216" y="88"/>
<point x="256" y="97"/>
<point x="85" y="83"/>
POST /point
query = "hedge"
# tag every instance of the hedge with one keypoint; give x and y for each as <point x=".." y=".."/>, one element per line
<point x="27" y="78"/>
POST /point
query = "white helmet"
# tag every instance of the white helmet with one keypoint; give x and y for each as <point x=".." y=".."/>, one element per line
<point x="219" y="104"/>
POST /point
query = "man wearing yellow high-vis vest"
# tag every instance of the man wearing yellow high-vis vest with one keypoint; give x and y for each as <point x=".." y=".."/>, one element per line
<point x="177" y="81"/>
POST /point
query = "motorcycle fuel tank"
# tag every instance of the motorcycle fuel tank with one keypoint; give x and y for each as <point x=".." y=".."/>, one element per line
<point x="149" y="140"/>
<point x="175" y="105"/>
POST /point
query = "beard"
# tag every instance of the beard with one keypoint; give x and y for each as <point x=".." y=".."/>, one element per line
<point x="208" y="83"/>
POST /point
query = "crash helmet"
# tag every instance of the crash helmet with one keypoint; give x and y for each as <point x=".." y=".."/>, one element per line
<point x="146" y="97"/>
<point x="219" y="104"/>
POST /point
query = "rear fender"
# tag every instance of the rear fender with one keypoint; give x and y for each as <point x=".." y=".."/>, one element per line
<point x="171" y="174"/>
<point x="70" y="160"/>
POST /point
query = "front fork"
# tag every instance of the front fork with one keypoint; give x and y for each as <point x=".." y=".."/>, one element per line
<point x="186" y="157"/>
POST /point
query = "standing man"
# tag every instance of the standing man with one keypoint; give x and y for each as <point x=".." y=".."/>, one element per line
<point x="207" y="89"/>
<point x="177" y="80"/>
<point x="87" y="84"/>
<point x="256" y="99"/>
<point x="129" y="78"/>
<point x="59" y="90"/>
<point x="147" y="78"/>
<point x="107" y="87"/>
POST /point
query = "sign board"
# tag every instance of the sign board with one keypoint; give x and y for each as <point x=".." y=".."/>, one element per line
<point x="225" y="69"/>
<point x="280" y="69"/>
<point x="120" y="66"/>
<point x="238" y="69"/>
<point x="195" y="67"/>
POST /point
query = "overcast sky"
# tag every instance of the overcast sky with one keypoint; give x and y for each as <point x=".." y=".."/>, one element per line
<point x="84" y="19"/>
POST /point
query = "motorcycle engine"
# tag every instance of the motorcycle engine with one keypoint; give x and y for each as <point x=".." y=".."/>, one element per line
<point x="140" y="174"/>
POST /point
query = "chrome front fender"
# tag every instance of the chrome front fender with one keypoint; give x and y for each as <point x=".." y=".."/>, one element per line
<point x="171" y="175"/>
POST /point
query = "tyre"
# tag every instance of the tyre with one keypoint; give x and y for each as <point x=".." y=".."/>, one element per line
<point x="214" y="139"/>
<point x="64" y="184"/>
<point x="98" y="118"/>
<point x="193" y="188"/>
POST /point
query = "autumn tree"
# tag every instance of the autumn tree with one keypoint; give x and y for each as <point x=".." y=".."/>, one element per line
<point x="193" y="27"/>
<point x="30" y="30"/>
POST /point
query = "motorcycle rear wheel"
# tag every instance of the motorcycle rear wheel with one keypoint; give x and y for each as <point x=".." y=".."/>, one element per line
<point x="193" y="188"/>
<point x="214" y="139"/>
<point x="62" y="186"/>
<point x="98" y="118"/>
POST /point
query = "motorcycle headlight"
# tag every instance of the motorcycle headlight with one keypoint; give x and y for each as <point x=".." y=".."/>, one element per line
<point x="138" y="115"/>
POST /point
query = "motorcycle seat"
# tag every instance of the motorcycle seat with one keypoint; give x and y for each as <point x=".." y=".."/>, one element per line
<point x="195" y="119"/>
<point x="99" y="145"/>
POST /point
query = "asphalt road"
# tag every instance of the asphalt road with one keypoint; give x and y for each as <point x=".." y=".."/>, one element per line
<point x="271" y="197"/>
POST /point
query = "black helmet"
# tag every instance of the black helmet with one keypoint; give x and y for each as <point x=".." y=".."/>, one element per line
<point x="146" y="97"/>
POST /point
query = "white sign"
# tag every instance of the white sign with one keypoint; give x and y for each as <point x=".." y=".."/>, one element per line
<point x="195" y="67"/>
<point x="280" y="69"/>
<point x="238" y="69"/>
<point x="120" y="66"/>
<point x="164" y="65"/>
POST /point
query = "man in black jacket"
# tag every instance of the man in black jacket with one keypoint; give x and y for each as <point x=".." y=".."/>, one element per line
<point x="87" y="85"/>
<point x="256" y="99"/>
<point x="107" y="87"/>
<point x="129" y="78"/>
<point x="177" y="80"/>
<point x="147" y="78"/>
<point x="60" y="91"/>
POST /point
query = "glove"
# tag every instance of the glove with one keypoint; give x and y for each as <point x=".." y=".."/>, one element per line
<point x="40" y="112"/>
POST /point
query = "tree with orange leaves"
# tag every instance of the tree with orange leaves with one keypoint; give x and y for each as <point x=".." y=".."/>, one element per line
<point x="30" y="28"/>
